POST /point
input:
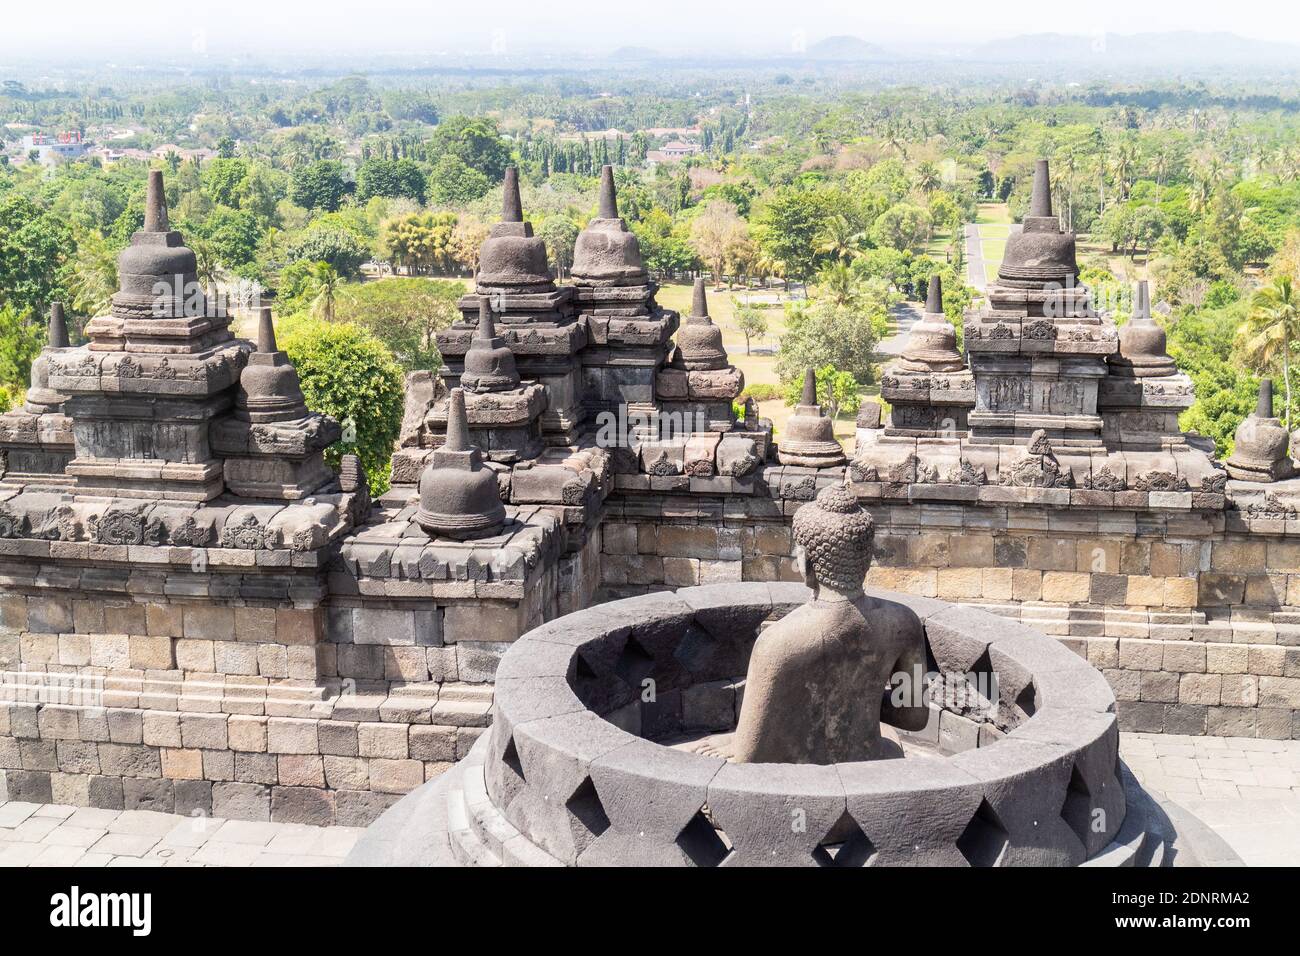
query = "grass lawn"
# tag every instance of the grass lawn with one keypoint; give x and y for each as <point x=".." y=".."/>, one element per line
<point x="991" y="213"/>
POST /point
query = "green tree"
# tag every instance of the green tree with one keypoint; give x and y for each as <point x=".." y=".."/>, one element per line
<point x="331" y="243"/>
<point x="560" y="234"/>
<point x="393" y="179"/>
<point x="788" y="226"/>
<point x="750" y="321"/>
<point x="349" y="374"/>
<point x="404" y="314"/>
<point x="452" y="183"/>
<point x="325" y="285"/>
<point x="319" y="185"/>
<point x="21" y="339"/>
<point x="421" y="242"/>
<point x="1269" y="333"/>
<point x="34" y="245"/>
<point x="475" y="141"/>
<point x="903" y="226"/>
<point x="821" y="333"/>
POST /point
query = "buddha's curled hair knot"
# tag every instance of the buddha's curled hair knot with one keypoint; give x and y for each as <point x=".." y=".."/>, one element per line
<point x="835" y="533"/>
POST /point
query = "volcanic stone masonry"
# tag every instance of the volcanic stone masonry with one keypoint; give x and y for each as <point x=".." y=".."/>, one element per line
<point x="197" y="615"/>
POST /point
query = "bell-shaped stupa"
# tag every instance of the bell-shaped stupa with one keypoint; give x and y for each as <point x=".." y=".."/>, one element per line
<point x="607" y="252"/>
<point x="699" y="341"/>
<point x="489" y="363"/>
<point x="459" y="497"/>
<point x="808" y="438"/>
<point x="1259" y="451"/>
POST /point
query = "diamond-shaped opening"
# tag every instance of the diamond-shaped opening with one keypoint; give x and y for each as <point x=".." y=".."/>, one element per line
<point x="1077" y="809"/>
<point x="1026" y="699"/>
<point x="704" y="844"/>
<point x="845" y="845"/>
<point x="586" y="806"/>
<point x="984" y="838"/>
<point x="583" y="670"/>
<point x="635" y="664"/>
<point x="510" y="757"/>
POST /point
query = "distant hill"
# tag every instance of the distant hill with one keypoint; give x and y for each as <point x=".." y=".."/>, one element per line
<point x="845" y="48"/>
<point x="1183" y="46"/>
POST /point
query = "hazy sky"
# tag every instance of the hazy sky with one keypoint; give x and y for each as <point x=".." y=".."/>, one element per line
<point x="120" y="27"/>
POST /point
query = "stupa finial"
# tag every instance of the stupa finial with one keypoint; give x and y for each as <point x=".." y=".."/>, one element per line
<point x="1040" y="204"/>
<point x="58" y="331"/>
<point x="512" y="207"/>
<point x="457" y="422"/>
<point x="1142" y="306"/>
<point x="487" y="328"/>
<point x="155" y="204"/>
<point x="608" y="195"/>
<point x="1264" y="409"/>
<point x="699" y="301"/>
<point x="266" y="331"/>
<point x="809" y="388"/>
<point x="934" y="297"/>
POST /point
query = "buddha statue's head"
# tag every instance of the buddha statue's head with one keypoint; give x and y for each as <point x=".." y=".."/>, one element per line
<point x="833" y="537"/>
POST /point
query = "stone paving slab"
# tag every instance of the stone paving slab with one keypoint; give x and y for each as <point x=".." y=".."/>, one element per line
<point x="1246" y="790"/>
<point x="46" y="835"/>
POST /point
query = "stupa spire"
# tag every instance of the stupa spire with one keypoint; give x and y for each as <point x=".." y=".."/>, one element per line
<point x="809" y="388"/>
<point x="608" y="195"/>
<point x="1142" y="306"/>
<point x="934" y="297"/>
<point x="1264" y="408"/>
<point x="155" y="204"/>
<point x="457" y="422"/>
<point x="699" y="300"/>
<point x="58" y="331"/>
<point x="512" y="208"/>
<point x="1040" y="204"/>
<point x="486" y="329"/>
<point x="266" y="331"/>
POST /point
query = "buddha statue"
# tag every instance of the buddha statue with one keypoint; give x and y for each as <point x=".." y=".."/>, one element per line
<point x="815" y="691"/>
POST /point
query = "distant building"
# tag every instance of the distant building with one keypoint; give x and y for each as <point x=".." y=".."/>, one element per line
<point x="673" y="152"/>
<point x="199" y="155"/>
<point x="59" y="147"/>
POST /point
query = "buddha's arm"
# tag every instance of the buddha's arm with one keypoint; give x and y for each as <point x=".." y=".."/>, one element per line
<point x="760" y="711"/>
<point x="912" y="714"/>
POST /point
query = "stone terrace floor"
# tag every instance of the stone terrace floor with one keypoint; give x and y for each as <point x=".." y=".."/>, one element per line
<point x="1247" y="790"/>
<point x="51" y="835"/>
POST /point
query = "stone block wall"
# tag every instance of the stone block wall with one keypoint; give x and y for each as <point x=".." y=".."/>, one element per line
<point x="1194" y="617"/>
<point x="217" y="692"/>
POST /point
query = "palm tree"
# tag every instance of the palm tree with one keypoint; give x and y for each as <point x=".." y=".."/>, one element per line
<point x="93" y="277"/>
<point x="1271" y="328"/>
<point x="928" y="178"/>
<point x="839" y="238"/>
<point x="838" y="283"/>
<point x="327" y="281"/>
